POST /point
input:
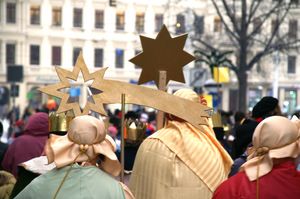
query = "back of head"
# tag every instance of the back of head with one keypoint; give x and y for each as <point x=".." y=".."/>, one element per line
<point x="275" y="132"/>
<point x="238" y="116"/>
<point x="275" y="138"/>
<point x="187" y="94"/>
<point x="38" y="124"/>
<point x="265" y="107"/>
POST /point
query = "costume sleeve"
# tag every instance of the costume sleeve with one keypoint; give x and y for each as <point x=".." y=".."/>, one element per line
<point x="27" y="193"/>
<point x="127" y="192"/>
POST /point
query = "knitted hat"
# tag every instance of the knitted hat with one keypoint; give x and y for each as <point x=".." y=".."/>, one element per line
<point x="264" y="107"/>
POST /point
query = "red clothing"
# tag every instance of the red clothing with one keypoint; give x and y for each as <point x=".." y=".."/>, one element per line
<point x="282" y="182"/>
<point x="29" y="145"/>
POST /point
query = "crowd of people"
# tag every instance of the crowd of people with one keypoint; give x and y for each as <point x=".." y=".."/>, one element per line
<point x="249" y="156"/>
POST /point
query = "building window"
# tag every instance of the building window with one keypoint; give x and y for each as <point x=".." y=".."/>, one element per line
<point x="99" y="19"/>
<point x="56" y="16"/>
<point x="77" y="18"/>
<point x="274" y="24"/>
<point x="98" y="57"/>
<point x="34" y="54"/>
<point x="76" y="52"/>
<point x="257" y="25"/>
<point x="120" y="22"/>
<point x="10" y="13"/>
<point x="139" y="22"/>
<point x="199" y="24"/>
<point x="136" y="52"/>
<point x="119" y="58"/>
<point x="180" y="24"/>
<point x="254" y="95"/>
<point x="35" y="15"/>
<point x="217" y="24"/>
<point x="159" y="21"/>
<point x="293" y="29"/>
<point x="10" y="53"/>
<point x="291" y="64"/>
<point x="56" y="55"/>
<point x="290" y="101"/>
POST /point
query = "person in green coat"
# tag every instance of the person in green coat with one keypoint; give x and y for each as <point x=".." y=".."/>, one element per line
<point x="85" y="165"/>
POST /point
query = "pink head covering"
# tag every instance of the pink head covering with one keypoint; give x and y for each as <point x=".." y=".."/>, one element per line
<point x="85" y="139"/>
<point x="275" y="137"/>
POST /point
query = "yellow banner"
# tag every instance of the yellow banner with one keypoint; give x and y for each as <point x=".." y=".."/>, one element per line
<point x="209" y="100"/>
<point x="221" y="74"/>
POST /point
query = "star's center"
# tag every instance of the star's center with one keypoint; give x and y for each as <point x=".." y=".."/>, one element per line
<point x="80" y="91"/>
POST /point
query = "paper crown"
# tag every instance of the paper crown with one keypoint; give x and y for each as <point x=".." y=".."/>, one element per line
<point x="59" y="122"/>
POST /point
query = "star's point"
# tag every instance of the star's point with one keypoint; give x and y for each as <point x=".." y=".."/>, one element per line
<point x="163" y="53"/>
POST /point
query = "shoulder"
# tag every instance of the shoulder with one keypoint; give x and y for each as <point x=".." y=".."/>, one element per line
<point x="232" y="187"/>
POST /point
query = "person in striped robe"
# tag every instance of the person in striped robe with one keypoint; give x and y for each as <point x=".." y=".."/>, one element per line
<point x="180" y="161"/>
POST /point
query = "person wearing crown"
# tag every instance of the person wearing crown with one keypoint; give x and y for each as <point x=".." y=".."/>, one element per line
<point x="84" y="160"/>
<point x="179" y="161"/>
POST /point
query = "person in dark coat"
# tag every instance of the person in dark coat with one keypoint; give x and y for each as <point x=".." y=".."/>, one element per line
<point x="266" y="107"/>
<point x="29" y="145"/>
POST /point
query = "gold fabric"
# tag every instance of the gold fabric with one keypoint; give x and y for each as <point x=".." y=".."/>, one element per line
<point x="179" y="162"/>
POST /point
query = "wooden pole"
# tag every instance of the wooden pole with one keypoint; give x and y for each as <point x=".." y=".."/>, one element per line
<point x="162" y="85"/>
<point x="122" y="135"/>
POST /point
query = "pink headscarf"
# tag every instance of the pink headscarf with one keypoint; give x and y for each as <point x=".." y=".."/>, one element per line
<point x="275" y="137"/>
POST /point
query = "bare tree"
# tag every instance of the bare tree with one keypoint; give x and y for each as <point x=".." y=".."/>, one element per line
<point x="243" y="21"/>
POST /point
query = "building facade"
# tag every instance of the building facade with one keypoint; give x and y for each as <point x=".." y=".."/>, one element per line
<point x="41" y="34"/>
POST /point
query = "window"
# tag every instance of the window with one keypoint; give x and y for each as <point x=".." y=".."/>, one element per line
<point x="119" y="58"/>
<point x="34" y="54"/>
<point x="159" y="21"/>
<point x="10" y="53"/>
<point x="257" y="25"/>
<point x="217" y="24"/>
<point x="56" y="55"/>
<point x="136" y="52"/>
<point x="139" y="22"/>
<point x="293" y="29"/>
<point x="274" y="25"/>
<point x="98" y="57"/>
<point x="76" y="52"/>
<point x="35" y="15"/>
<point x="199" y="24"/>
<point x="56" y="16"/>
<point x="290" y="100"/>
<point x="180" y="24"/>
<point x="77" y="18"/>
<point x="99" y="19"/>
<point x="10" y="13"/>
<point x="291" y="64"/>
<point x="120" y="23"/>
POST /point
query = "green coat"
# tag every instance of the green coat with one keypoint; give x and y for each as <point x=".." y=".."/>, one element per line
<point x="82" y="183"/>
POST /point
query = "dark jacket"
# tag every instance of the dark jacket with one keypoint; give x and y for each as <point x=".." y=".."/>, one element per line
<point x="243" y="137"/>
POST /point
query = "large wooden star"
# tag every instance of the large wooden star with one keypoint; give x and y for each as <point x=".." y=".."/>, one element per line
<point x="162" y="54"/>
<point x="64" y="76"/>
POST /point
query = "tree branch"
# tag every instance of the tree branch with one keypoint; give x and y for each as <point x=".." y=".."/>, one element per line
<point x="231" y="32"/>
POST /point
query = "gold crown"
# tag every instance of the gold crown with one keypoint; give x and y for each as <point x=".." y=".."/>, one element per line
<point x="135" y="131"/>
<point x="59" y="122"/>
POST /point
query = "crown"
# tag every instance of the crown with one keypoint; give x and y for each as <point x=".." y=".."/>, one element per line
<point x="135" y="130"/>
<point x="59" y="122"/>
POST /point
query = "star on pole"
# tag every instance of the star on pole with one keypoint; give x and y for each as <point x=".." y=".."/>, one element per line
<point x="64" y="75"/>
<point x="163" y="53"/>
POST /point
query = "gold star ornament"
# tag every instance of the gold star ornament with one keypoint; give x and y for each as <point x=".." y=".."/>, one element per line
<point x="163" y="53"/>
<point x="65" y="76"/>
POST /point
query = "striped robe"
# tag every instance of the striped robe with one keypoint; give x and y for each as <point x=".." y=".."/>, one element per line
<point x="178" y="162"/>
